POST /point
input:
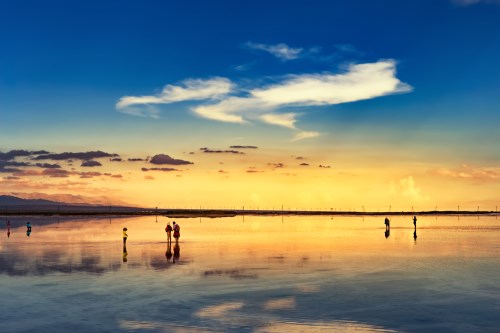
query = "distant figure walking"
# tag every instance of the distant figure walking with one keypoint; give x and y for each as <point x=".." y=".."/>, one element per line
<point x="415" y="221"/>
<point x="177" y="231"/>
<point x="125" y="237"/>
<point x="168" y="230"/>
<point x="387" y="224"/>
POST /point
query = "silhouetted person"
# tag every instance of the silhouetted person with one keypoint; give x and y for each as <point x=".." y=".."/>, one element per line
<point x="168" y="230"/>
<point x="125" y="237"/>
<point x="168" y="254"/>
<point x="177" y="231"/>
<point x="415" y="222"/>
<point x="177" y="251"/>
<point x="125" y="253"/>
<point x="28" y="229"/>
<point x="387" y="224"/>
<point x="387" y="233"/>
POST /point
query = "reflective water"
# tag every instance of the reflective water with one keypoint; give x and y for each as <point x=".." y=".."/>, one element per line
<point x="251" y="274"/>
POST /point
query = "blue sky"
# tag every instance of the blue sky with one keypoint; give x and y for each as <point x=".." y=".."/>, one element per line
<point x="125" y="75"/>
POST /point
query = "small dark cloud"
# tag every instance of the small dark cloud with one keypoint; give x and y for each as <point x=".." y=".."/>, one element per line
<point x="253" y="171"/>
<point x="324" y="166"/>
<point x="90" y="163"/>
<point x="48" y="166"/>
<point x="276" y="165"/>
<point x="243" y="147"/>
<point x="207" y="150"/>
<point x="117" y="176"/>
<point x="107" y="174"/>
<point x="304" y="164"/>
<point x="165" y="159"/>
<point x="191" y="153"/>
<point x="148" y="177"/>
<point x="77" y="156"/>
<point x="58" y="173"/>
<point x="135" y="159"/>
<point x="160" y="169"/>
<point x="90" y="174"/>
<point x="11" y="166"/>
<point x="222" y="171"/>
<point x="299" y="158"/>
<point x="116" y="159"/>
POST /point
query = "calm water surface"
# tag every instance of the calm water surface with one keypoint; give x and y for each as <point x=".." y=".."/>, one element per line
<point x="251" y="274"/>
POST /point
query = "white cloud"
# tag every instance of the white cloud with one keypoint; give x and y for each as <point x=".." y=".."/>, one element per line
<point x="281" y="50"/>
<point x="264" y="103"/>
<point x="408" y="188"/>
<point x="190" y="89"/>
<point x="359" y="82"/>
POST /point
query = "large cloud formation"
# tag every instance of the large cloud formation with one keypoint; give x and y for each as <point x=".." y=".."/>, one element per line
<point x="266" y="103"/>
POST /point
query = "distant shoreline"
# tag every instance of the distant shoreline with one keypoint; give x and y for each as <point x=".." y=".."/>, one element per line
<point x="214" y="213"/>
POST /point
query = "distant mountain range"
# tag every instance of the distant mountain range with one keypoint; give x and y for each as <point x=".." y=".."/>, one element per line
<point x="9" y="200"/>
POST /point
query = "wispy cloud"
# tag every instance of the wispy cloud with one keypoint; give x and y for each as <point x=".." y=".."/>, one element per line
<point x="301" y="135"/>
<point x="280" y="51"/>
<point x="265" y="103"/>
<point x="466" y="172"/>
<point x="188" y="90"/>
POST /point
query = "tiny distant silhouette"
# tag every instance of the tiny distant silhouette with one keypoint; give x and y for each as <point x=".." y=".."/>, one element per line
<point x="124" y="237"/>
<point x="415" y="222"/>
<point x="8" y="228"/>
<point x="387" y="224"/>
<point x="415" y="235"/>
<point x="125" y="253"/>
<point x="387" y="233"/>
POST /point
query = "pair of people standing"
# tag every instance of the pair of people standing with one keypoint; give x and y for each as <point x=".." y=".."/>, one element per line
<point x="176" y="229"/>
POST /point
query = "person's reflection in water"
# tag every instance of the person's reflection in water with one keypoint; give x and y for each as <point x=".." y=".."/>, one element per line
<point x="125" y="253"/>
<point x="168" y="254"/>
<point x="8" y="228"/>
<point x="415" y="236"/>
<point x="387" y="233"/>
<point x="177" y="251"/>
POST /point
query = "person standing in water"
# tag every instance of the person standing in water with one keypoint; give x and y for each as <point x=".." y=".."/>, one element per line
<point x="124" y="237"/>
<point x="28" y="229"/>
<point x="387" y="224"/>
<point x="415" y="222"/>
<point x="177" y="232"/>
<point x="168" y="230"/>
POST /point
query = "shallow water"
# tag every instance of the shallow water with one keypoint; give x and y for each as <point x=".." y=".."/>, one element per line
<point x="251" y="274"/>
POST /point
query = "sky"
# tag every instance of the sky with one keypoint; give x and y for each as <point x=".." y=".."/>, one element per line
<point x="335" y="105"/>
